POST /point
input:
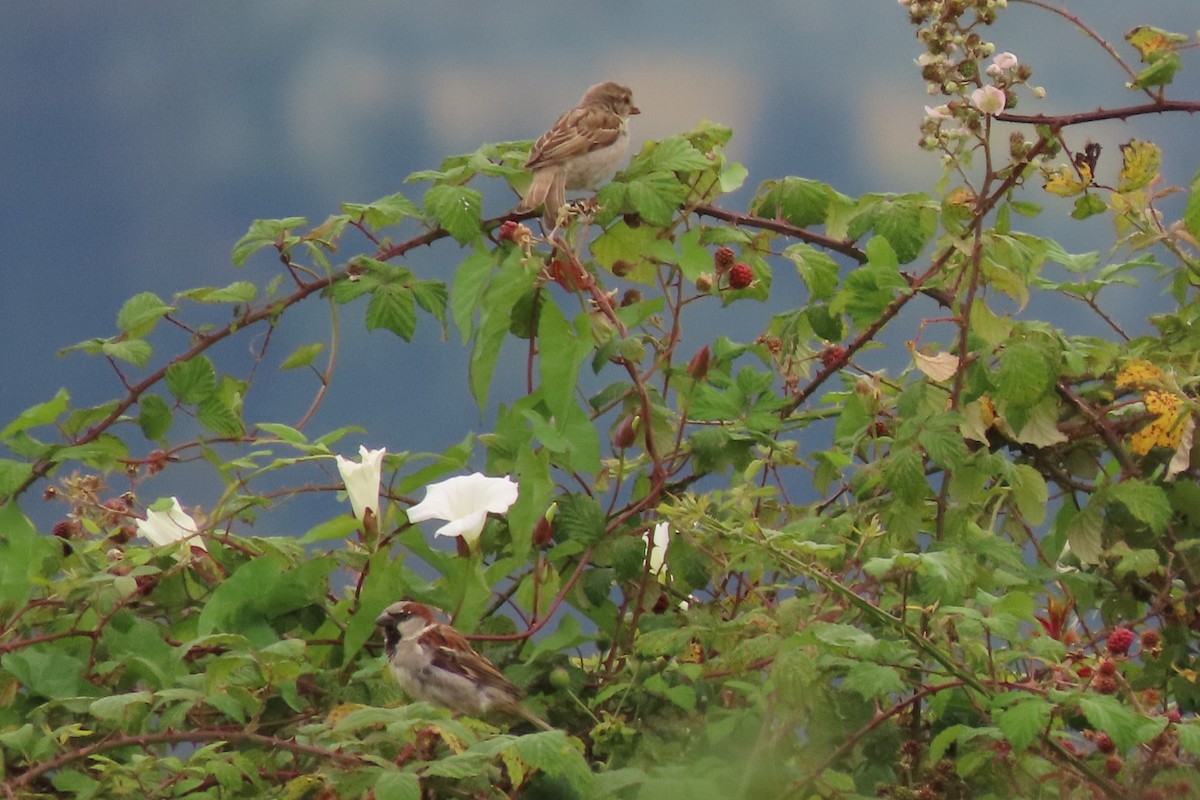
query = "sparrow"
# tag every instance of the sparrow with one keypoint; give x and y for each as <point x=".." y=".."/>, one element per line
<point x="433" y="662"/>
<point x="581" y="149"/>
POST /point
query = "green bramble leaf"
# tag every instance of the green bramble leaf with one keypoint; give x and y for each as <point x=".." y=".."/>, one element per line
<point x="236" y="292"/>
<point x="874" y="681"/>
<point x="383" y="212"/>
<point x="1108" y="714"/>
<point x="302" y="356"/>
<point x="392" y="785"/>
<point x="221" y="411"/>
<point x="154" y="417"/>
<point x="263" y="233"/>
<point x="554" y="754"/>
<point x="1025" y="721"/>
<point x="133" y="351"/>
<point x="1191" y="212"/>
<point x="392" y="308"/>
<point x="904" y="474"/>
<point x="13" y="475"/>
<point x="799" y="201"/>
<point x="579" y="517"/>
<point x="43" y="413"/>
<point x="1147" y="502"/>
<point x="455" y="208"/>
<point x="141" y="313"/>
<point x="193" y="380"/>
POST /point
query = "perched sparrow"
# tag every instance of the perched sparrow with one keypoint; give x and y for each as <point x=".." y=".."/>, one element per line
<point x="433" y="662"/>
<point x="583" y="148"/>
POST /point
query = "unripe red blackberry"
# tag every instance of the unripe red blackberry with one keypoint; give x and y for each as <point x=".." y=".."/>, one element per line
<point x="1105" y="684"/>
<point x="740" y="276"/>
<point x="507" y="231"/>
<point x="1104" y="744"/>
<point x="1107" y="667"/>
<point x="723" y="259"/>
<point x="1112" y="765"/>
<point x="1119" y="641"/>
<point x="1150" y="639"/>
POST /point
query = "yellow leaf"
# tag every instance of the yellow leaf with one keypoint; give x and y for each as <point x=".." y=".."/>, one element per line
<point x="1152" y="42"/>
<point x="1140" y="162"/>
<point x="1166" y="430"/>
<point x="1138" y="374"/>
<point x="1064" y="183"/>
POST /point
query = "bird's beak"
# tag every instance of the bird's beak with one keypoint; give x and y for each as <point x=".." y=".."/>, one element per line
<point x="635" y="110"/>
<point x="383" y="619"/>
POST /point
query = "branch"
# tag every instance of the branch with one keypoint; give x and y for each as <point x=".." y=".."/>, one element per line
<point x="1101" y="114"/>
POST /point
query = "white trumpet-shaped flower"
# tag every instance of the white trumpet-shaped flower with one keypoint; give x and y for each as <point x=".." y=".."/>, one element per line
<point x="464" y="502"/>
<point x="362" y="481"/>
<point x="656" y="550"/>
<point x="172" y="525"/>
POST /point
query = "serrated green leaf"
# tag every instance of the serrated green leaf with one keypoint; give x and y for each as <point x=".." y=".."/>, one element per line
<point x="1108" y="714"/>
<point x="397" y="786"/>
<point x="1191" y="212"/>
<point x="1145" y="501"/>
<point x="236" y="292"/>
<point x="193" y="380"/>
<point x="392" y="308"/>
<point x="385" y="211"/>
<point x="1025" y="721"/>
<point x="655" y="197"/>
<point x="507" y="287"/>
<point x="816" y="268"/>
<point x="554" y="754"/>
<point x="263" y="233"/>
<point x="141" y="313"/>
<point x="580" y="517"/>
<point x="874" y="681"/>
<point x="1024" y="377"/>
<point x="904" y="474"/>
<point x="800" y="201"/>
<point x="12" y="475"/>
<point x="221" y="411"/>
<point x="132" y="351"/>
<point x="455" y="208"/>
<point x="154" y="417"/>
<point x="114" y="707"/>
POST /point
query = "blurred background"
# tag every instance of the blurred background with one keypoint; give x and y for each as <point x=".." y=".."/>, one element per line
<point x="139" y="140"/>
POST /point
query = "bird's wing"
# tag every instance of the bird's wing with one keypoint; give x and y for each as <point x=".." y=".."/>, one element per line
<point x="454" y="654"/>
<point x="579" y="131"/>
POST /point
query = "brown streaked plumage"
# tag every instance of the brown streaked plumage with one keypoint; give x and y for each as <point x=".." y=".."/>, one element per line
<point x="581" y="149"/>
<point x="435" y="663"/>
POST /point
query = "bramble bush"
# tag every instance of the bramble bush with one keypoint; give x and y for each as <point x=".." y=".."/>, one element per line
<point x="733" y="568"/>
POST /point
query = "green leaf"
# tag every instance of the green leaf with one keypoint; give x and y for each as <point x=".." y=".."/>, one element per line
<point x="1025" y="721"/>
<point x="816" y="268"/>
<point x="1191" y="212"/>
<point x="942" y="440"/>
<point x="141" y="313"/>
<point x="1024" y="376"/>
<point x="562" y="350"/>
<point x="676" y="154"/>
<point x="154" y="417"/>
<point x="1106" y="713"/>
<point x="655" y="197"/>
<point x="23" y="553"/>
<point x="1085" y="533"/>
<point x="302" y="356"/>
<point x="1189" y="736"/>
<point x="904" y="474"/>
<point x="580" y="517"/>
<point x="12" y="475"/>
<point x="260" y="591"/>
<point x="193" y="380"/>
<point x="115" y="707"/>
<point x="800" y="201"/>
<point x="455" y="208"/>
<point x="553" y="753"/>
<point x="383" y="212"/>
<point x="263" y="233"/>
<point x="508" y="286"/>
<point x="393" y="309"/>
<point x="470" y="282"/>
<point x="221" y="411"/>
<point x="1147" y="502"/>
<point x="1088" y="205"/>
<point x="392" y="785"/>
<point x="43" y="413"/>
<point x="133" y="351"/>
<point x="874" y="681"/>
<point x="236" y="292"/>
<point x="339" y="527"/>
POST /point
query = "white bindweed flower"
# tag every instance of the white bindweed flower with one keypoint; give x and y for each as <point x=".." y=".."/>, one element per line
<point x="172" y="525"/>
<point x="656" y="550"/>
<point x="990" y="100"/>
<point x="464" y="502"/>
<point x="362" y="481"/>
